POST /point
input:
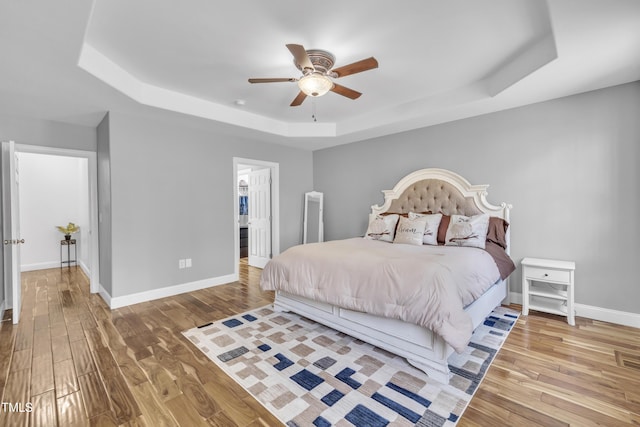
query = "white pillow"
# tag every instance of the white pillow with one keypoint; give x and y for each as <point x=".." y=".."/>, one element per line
<point x="431" y="229"/>
<point x="382" y="228"/>
<point x="410" y="230"/>
<point x="467" y="231"/>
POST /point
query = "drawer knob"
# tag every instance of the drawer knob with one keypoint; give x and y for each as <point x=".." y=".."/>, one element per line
<point x="545" y="275"/>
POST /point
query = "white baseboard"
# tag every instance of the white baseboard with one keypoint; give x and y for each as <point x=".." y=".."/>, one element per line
<point x="117" y="302"/>
<point x="515" y="297"/>
<point x="85" y="269"/>
<point x="50" y="264"/>
<point x="39" y="266"/>
<point x="2" y="308"/>
<point x="104" y="294"/>
<point x="607" y="315"/>
<point x="596" y="313"/>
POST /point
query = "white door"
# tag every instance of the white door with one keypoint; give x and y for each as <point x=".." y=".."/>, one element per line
<point x="11" y="229"/>
<point x="259" y="217"/>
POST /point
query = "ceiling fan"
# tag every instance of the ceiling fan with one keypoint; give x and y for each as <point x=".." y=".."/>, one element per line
<point x="316" y="80"/>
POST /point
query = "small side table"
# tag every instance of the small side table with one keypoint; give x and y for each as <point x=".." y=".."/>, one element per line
<point x="68" y="244"/>
<point x="548" y="286"/>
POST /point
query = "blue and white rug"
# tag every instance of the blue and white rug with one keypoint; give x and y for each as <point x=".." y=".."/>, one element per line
<point x="309" y="375"/>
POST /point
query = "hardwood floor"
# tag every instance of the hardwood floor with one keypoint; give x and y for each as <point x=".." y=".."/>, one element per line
<point x="79" y="364"/>
<point x="551" y="374"/>
<point x="74" y="362"/>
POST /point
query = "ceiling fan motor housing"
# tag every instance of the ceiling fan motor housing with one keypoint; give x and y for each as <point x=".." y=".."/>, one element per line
<point x="321" y="59"/>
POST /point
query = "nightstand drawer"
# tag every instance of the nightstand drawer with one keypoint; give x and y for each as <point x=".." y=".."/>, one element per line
<point x="548" y="275"/>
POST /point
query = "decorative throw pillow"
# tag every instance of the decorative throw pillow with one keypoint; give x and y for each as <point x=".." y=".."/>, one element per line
<point x="382" y="228"/>
<point x="468" y="230"/>
<point x="498" y="231"/>
<point x="442" y="229"/>
<point x="430" y="236"/>
<point x="410" y="230"/>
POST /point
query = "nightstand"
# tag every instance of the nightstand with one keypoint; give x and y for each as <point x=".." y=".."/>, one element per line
<point x="547" y="285"/>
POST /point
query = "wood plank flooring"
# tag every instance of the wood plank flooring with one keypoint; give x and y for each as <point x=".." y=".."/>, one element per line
<point x="551" y="374"/>
<point x="73" y="362"/>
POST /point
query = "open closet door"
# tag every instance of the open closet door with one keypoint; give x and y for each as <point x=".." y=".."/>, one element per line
<point x="259" y="217"/>
<point x="11" y="229"/>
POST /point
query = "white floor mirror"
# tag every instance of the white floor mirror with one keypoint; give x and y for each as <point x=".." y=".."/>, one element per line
<point x="313" y="227"/>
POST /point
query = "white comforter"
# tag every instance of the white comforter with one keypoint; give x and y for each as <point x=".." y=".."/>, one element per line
<point x="425" y="285"/>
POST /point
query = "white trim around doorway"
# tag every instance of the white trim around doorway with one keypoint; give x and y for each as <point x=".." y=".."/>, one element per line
<point x="91" y="156"/>
<point x="275" y="208"/>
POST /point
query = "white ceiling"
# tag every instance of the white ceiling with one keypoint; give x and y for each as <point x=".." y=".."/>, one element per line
<point x="72" y="61"/>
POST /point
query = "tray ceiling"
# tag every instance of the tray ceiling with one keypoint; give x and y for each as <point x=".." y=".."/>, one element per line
<point x="439" y="61"/>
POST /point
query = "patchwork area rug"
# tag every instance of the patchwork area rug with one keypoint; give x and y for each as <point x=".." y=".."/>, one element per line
<point x="307" y="374"/>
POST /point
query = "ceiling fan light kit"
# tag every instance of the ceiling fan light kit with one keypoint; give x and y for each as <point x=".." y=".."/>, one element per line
<point x="315" y="84"/>
<point x="316" y="66"/>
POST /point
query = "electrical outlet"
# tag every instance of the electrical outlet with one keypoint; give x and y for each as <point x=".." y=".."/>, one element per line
<point x="188" y="262"/>
<point x="181" y="263"/>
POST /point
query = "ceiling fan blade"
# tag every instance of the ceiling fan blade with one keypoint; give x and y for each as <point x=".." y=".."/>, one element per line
<point x="276" y="80"/>
<point x="345" y="91"/>
<point x="300" y="56"/>
<point x="298" y="99"/>
<point x="356" y="67"/>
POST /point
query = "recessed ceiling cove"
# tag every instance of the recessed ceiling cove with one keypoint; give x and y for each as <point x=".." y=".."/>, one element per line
<point x="439" y="61"/>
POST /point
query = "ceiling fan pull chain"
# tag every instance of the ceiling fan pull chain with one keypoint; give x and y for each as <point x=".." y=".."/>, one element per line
<point x="313" y="110"/>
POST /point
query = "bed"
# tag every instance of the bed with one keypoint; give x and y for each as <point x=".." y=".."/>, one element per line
<point x="316" y="280"/>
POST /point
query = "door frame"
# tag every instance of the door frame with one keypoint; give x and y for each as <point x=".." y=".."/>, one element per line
<point x="10" y="199"/>
<point x="275" y="207"/>
<point x="92" y="166"/>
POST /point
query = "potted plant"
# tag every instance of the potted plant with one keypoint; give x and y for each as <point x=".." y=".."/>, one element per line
<point x="68" y="230"/>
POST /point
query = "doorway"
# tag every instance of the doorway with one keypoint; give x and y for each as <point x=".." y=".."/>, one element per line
<point x="53" y="161"/>
<point x="263" y="180"/>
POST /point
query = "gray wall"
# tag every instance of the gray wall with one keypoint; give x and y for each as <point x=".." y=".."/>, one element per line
<point x="568" y="166"/>
<point x="172" y="198"/>
<point x="46" y="133"/>
<point x="104" y="204"/>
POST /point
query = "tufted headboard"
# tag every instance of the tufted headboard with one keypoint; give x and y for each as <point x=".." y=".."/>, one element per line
<point x="433" y="195"/>
<point x="439" y="190"/>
